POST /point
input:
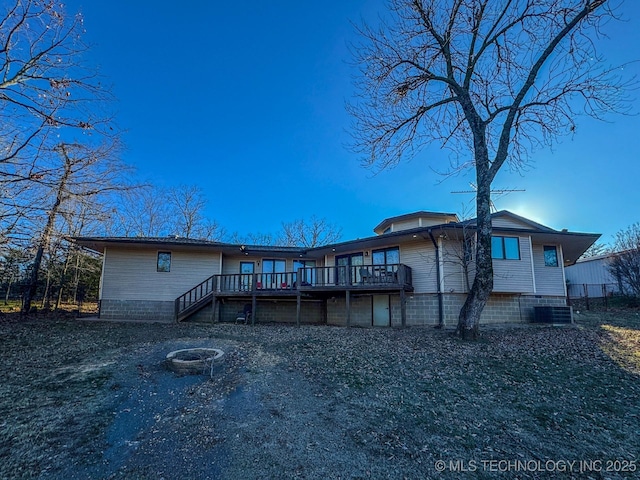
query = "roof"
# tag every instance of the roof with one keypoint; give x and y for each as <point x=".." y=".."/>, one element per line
<point x="384" y="224"/>
<point x="98" y="244"/>
<point x="573" y="244"/>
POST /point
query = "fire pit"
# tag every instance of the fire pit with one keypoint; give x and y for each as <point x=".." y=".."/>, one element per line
<point x="194" y="360"/>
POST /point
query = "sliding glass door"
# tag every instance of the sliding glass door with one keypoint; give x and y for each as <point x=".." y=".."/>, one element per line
<point x="348" y="268"/>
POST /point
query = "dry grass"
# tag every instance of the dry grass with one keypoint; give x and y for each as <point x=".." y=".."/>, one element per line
<point x="91" y="400"/>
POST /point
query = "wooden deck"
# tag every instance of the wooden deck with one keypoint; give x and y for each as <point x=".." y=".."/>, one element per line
<point x="306" y="282"/>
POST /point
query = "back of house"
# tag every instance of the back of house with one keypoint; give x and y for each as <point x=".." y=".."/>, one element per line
<point x="416" y="270"/>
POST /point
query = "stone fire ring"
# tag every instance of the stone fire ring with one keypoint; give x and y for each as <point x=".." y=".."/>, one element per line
<point x="193" y="360"/>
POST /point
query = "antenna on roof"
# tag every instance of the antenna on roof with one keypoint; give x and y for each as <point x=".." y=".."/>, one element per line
<point x="499" y="192"/>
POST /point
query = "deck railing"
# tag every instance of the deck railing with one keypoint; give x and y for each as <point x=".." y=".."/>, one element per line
<point x="194" y="296"/>
<point x="356" y="276"/>
<point x="307" y="278"/>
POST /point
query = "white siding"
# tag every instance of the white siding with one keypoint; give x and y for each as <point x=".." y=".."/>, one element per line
<point x="505" y="222"/>
<point x="453" y="262"/>
<point x="405" y="225"/>
<point x="514" y="276"/>
<point x="549" y="280"/>
<point x="231" y="264"/>
<point x="420" y="255"/>
<point x="130" y="273"/>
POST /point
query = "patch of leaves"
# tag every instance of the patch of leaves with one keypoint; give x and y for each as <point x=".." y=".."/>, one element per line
<point x="313" y="401"/>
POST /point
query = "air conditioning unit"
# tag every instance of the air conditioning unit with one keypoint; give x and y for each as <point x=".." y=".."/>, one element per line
<point x="552" y="315"/>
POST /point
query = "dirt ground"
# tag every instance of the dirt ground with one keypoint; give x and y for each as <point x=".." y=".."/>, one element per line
<point x="82" y="399"/>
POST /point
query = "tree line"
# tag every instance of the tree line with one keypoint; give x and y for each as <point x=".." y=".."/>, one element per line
<point x="61" y="172"/>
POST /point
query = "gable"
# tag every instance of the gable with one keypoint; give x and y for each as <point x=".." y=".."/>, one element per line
<point x="509" y="222"/>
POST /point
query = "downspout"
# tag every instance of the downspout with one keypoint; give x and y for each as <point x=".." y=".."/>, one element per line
<point x="439" y="282"/>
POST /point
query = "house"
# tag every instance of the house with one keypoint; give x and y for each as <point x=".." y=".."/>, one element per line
<point x="416" y="270"/>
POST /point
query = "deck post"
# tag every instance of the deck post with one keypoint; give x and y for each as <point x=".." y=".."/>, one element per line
<point x="254" y="305"/>
<point x="403" y="308"/>
<point x="214" y="309"/>
<point x="401" y="276"/>
<point x="298" y="302"/>
<point x="348" y="302"/>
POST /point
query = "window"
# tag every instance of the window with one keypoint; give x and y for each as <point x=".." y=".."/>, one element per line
<point x="164" y="262"/>
<point x="468" y="249"/>
<point x="309" y="272"/>
<point x="550" y="256"/>
<point x="505" y="248"/>
<point x="348" y="268"/>
<point x="246" y="275"/>
<point x="387" y="256"/>
<point x="273" y="273"/>
<point x="273" y="266"/>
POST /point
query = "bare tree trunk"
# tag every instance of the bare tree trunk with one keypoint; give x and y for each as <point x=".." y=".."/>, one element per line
<point x="45" y="238"/>
<point x="76" y="279"/>
<point x="8" y="292"/>
<point x="46" y="303"/>
<point x="469" y="318"/>
<point x="61" y="283"/>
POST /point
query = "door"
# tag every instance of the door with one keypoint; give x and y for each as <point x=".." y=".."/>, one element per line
<point x="273" y="273"/>
<point x="348" y="269"/>
<point x="246" y="275"/>
<point x="381" y="311"/>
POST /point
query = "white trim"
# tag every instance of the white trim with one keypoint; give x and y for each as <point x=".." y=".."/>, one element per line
<point x="533" y="267"/>
<point x="561" y="264"/>
<point x="104" y="260"/>
<point x="441" y="265"/>
<point x="220" y="264"/>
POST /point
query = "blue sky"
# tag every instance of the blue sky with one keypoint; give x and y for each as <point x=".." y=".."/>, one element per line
<point x="246" y="100"/>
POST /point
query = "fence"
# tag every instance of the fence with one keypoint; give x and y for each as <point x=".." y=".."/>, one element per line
<point x="596" y="296"/>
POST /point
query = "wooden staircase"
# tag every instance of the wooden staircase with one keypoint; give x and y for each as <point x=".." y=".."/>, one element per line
<point x="195" y="299"/>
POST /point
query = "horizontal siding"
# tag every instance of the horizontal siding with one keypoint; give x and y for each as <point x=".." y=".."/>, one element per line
<point x="420" y="255"/>
<point x="130" y="273"/>
<point x="549" y="280"/>
<point x="231" y="264"/>
<point x="503" y="222"/>
<point x="405" y="225"/>
<point x="514" y="276"/>
<point x="453" y="267"/>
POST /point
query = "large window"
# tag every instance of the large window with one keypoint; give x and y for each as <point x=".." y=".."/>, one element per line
<point x="387" y="256"/>
<point x="505" y="248"/>
<point x="164" y="262"/>
<point x="550" y="256"/>
<point x="273" y="273"/>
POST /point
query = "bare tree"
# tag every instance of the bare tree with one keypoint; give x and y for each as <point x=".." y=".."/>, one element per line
<point x="625" y="265"/>
<point x="83" y="172"/>
<point x="187" y="204"/>
<point x="52" y="107"/>
<point x="141" y="212"/>
<point x="254" y="239"/>
<point x="151" y="211"/>
<point x="44" y="87"/>
<point x="596" y="249"/>
<point x="309" y="233"/>
<point x="490" y="80"/>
